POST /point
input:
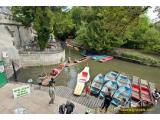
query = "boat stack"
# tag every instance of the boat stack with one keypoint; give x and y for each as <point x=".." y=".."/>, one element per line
<point x="136" y="92"/>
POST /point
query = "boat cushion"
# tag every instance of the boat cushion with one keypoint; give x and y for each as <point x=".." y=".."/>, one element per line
<point x="144" y="82"/>
<point x="135" y="87"/>
<point x="146" y="98"/>
<point x="96" y="85"/>
<point x="84" y="74"/>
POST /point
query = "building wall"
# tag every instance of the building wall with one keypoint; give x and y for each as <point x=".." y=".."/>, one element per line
<point x="41" y="58"/>
<point x="14" y="36"/>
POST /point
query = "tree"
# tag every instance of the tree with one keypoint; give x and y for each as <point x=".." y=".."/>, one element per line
<point x="24" y="15"/>
<point x="40" y="18"/>
<point x="152" y="40"/>
<point x="43" y="25"/>
<point x="104" y="27"/>
<point x="62" y="24"/>
<point x="134" y="33"/>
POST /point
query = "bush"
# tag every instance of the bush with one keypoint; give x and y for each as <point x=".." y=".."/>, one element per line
<point x="148" y="60"/>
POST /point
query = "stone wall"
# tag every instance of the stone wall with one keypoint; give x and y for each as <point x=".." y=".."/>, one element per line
<point x="41" y="58"/>
<point x="14" y="36"/>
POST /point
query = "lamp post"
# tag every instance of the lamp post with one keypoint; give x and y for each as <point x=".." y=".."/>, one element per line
<point x="14" y="71"/>
<point x="30" y="81"/>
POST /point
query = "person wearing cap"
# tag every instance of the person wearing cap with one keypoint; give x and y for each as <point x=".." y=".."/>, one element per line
<point x="107" y="101"/>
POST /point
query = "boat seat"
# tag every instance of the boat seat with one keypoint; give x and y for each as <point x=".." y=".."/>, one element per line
<point x="135" y="88"/>
<point x="143" y="88"/>
<point x="146" y="98"/>
<point x="95" y="85"/>
<point x="136" y="96"/>
<point x="145" y="92"/>
<point x="84" y="74"/>
<point x="144" y="82"/>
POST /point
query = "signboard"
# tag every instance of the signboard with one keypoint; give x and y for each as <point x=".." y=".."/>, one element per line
<point x="5" y="54"/>
<point x="21" y="91"/>
<point x="1" y="68"/>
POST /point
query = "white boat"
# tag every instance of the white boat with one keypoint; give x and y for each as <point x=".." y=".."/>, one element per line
<point x="82" y="78"/>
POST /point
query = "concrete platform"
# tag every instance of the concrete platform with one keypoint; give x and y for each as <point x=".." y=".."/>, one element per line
<point x="35" y="103"/>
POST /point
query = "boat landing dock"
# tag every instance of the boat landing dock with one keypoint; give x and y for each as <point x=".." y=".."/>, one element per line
<point x="89" y="101"/>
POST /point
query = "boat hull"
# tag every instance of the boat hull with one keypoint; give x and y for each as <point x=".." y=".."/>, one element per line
<point x="82" y="78"/>
<point x="108" y="58"/>
<point x="98" y="57"/>
<point x="122" y="92"/>
<point x="60" y="68"/>
<point x="97" y="84"/>
<point x="112" y="85"/>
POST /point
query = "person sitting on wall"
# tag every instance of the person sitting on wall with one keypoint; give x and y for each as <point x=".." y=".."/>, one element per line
<point x="156" y="95"/>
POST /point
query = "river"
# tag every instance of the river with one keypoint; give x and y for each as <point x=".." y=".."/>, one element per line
<point x="68" y="76"/>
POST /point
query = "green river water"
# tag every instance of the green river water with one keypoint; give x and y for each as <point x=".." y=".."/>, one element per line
<point x="68" y="76"/>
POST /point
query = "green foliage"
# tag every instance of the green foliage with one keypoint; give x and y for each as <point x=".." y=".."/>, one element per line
<point x="37" y="17"/>
<point x="145" y="59"/>
<point x="135" y="32"/>
<point x="97" y="28"/>
<point x="25" y="15"/>
<point x="62" y="24"/>
<point x="152" y="40"/>
<point x="43" y="25"/>
<point x="103" y="28"/>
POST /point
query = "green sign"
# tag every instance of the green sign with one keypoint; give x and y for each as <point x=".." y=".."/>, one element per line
<point x="21" y="91"/>
<point x="3" y="76"/>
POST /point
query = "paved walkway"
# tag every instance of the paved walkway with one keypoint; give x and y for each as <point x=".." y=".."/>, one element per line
<point x="35" y="103"/>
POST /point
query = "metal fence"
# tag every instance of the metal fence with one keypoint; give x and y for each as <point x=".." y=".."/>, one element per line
<point x="55" y="47"/>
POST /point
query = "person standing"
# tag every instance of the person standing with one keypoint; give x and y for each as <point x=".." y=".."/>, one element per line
<point x="107" y="101"/>
<point x="51" y="93"/>
<point x="39" y="81"/>
<point x="69" y="107"/>
<point x="52" y="81"/>
<point x="87" y="90"/>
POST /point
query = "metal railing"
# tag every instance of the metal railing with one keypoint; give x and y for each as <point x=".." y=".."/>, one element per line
<point x="55" y="47"/>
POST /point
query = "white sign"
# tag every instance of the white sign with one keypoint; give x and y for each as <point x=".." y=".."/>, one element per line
<point x="30" y="81"/>
<point x="5" y="54"/>
<point x="21" y="91"/>
<point x="1" y="68"/>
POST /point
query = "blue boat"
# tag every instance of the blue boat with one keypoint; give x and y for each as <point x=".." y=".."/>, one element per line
<point x="112" y="75"/>
<point x="88" y="53"/>
<point x="97" y="84"/>
<point x="98" y="57"/>
<point x="112" y="85"/>
<point x="122" y="92"/>
<point x="123" y="80"/>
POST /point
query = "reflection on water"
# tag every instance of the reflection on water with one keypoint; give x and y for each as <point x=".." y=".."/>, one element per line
<point x="72" y="76"/>
<point x="68" y="76"/>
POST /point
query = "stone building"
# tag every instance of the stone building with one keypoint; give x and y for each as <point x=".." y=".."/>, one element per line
<point x="13" y="35"/>
<point x="14" y="38"/>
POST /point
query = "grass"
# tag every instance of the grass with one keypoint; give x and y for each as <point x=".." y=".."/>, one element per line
<point x="147" y="59"/>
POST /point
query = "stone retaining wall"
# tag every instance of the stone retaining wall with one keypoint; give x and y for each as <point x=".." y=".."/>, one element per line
<point x="41" y="58"/>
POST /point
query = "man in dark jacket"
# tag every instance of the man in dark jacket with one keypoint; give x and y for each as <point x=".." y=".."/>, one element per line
<point x="107" y="101"/>
<point x="62" y="109"/>
<point x="70" y="107"/>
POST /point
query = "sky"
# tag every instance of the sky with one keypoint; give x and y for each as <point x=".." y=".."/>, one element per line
<point x="152" y="15"/>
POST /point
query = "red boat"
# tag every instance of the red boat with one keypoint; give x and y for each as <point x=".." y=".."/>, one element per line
<point x="145" y="91"/>
<point x="135" y="88"/>
<point x="106" y="59"/>
<point x="141" y="91"/>
<point x="55" y="73"/>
